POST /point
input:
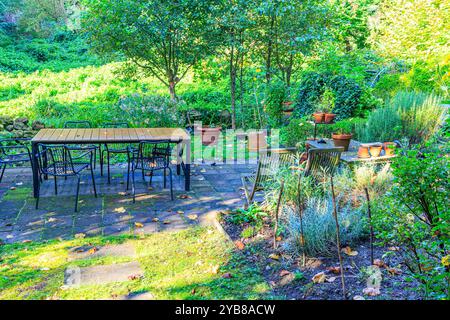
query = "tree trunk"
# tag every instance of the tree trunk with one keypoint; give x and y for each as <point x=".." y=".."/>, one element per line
<point x="172" y="91"/>
<point x="233" y="88"/>
<point x="269" y="51"/>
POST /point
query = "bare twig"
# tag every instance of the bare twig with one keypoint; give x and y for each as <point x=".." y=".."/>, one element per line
<point x="277" y="212"/>
<point x="338" y="238"/>
<point x="370" y="224"/>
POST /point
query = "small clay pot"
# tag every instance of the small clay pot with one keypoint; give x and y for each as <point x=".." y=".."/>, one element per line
<point x="319" y="117"/>
<point x="329" y="117"/>
<point x="210" y="136"/>
<point x="342" y="140"/>
<point x="389" y="148"/>
<point x="375" y="150"/>
<point x="363" y="151"/>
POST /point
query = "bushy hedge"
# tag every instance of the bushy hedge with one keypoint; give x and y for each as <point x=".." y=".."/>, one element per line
<point x="351" y="99"/>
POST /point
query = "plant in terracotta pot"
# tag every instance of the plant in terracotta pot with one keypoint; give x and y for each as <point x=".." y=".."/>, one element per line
<point x="389" y="148"/>
<point x="363" y="151"/>
<point x="325" y="107"/>
<point x="375" y="149"/>
<point x="342" y="134"/>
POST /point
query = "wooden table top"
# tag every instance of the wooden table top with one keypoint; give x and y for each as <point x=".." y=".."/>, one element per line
<point x="110" y="135"/>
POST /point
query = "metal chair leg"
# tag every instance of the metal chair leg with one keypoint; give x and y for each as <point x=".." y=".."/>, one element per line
<point x="3" y="171"/>
<point x="78" y="192"/>
<point x="102" y="155"/>
<point x="93" y="182"/>
<point x="151" y="177"/>
<point x="109" y="169"/>
<point x="37" y="198"/>
<point x="128" y="170"/>
<point x="56" y="185"/>
<point x="171" y="183"/>
<point x="165" y="178"/>
<point x="133" y="188"/>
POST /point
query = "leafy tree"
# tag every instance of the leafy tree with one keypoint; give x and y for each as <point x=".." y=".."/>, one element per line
<point x="164" y="38"/>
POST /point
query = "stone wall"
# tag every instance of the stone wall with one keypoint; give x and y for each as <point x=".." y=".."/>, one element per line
<point x="19" y="127"/>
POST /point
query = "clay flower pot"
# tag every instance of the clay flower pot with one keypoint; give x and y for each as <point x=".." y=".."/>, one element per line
<point x="257" y="140"/>
<point x="375" y="150"/>
<point x="319" y="117"/>
<point x="329" y="117"/>
<point x="363" y="151"/>
<point x="342" y="140"/>
<point x="210" y="136"/>
<point x="389" y="148"/>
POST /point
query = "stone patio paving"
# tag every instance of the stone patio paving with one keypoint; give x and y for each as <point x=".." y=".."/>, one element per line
<point x="213" y="189"/>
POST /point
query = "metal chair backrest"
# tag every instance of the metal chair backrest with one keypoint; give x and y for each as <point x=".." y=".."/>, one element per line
<point x="323" y="161"/>
<point x="58" y="157"/>
<point x="116" y="125"/>
<point x="78" y="124"/>
<point x="158" y="149"/>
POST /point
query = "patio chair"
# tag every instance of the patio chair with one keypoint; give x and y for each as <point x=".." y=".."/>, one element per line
<point x="268" y="165"/>
<point x="152" y="156"/>
<point x="57" y="161"/>
<point x="322" y="161"/>
<point x="116" y="148"/>
<point x="83" y="124"/>
<point x="13" y="154"/>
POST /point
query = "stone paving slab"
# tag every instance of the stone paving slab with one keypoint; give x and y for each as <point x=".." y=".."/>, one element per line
<point x="102" y="274"/>
<point x="214" y="188"/>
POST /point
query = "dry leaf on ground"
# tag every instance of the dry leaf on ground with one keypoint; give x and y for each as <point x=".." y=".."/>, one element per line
<point x="319" y="277"/>
<point x="284" y="273"/>
<point x="240" y="245"/>
<point x="348" y="251"/>
<point x="274" y="256"/>
<point x="379" y="263"/>
<point x="335" y="270"/>
<point x="192" y="216"/>
<point x="138" y="225"/>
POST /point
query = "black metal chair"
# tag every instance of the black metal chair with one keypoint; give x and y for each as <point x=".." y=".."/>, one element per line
<point x="13" y="154"/>
<point x="116" y="148"/>
<point x="152" y="156"/>
<point x="83" y="124"/>
<point x="57" y="161"/>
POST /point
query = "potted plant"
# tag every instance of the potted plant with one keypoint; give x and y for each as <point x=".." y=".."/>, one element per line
<point x="363" y="151"/>
<point x="342" y="134"/>
<point x="375" y="149"/>
<point x="325" y="107"/>
<point x="389" y="148"/>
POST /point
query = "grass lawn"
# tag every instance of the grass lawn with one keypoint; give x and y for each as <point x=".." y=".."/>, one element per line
<point x="188" y="264"/>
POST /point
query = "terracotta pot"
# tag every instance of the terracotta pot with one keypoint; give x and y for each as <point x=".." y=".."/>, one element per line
<point x="389" y="148"/>
<point x="319" y="117"/>
<point x="257" y="140"/>
<point x="342" y="140"/>
<point x="210" y="136"/>
<point x="363" y="151"/>
<point x="375" y="150"/>
<point x="329" y="117"/>
<point x="288" y="112"/>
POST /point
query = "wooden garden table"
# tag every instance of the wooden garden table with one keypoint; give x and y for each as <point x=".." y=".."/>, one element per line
<point x="178" y="136"/>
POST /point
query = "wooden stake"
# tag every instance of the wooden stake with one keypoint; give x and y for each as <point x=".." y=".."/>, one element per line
<point x="277" y="211"/>
<point x="338" y="238"/>
<point x="300" y="212"/>
<point x="370" y="225"/>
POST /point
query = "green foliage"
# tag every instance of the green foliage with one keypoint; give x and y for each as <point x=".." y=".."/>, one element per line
<point x="273" y="105"/>
<point x="383" y="124"/>
<point x="296" y="132"/>
<point x="319" y="229"/>
<point x="347" y="94"/>
<point x="416" y="217"/>
<point x="253" y="215"/>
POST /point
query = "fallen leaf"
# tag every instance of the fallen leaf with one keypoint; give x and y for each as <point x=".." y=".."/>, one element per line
<point x="180" y="212"/>
<point x="348" y="251"/>
<point x="80" y="236"/>
<point x="393" y="248"/>
<point x="138" y="225"/>
<point x="51" y="220"/>
<point x="193" y="291"/>
<point x="358" y="298"/>
<point x="394" y="271"/>
<point x="446" y="261"/>
<point x="284" y="273"/>
<point x="227" y="275"/>
<point x="12" y="188"/>
<point x="371" y="291"/>
<point x="192" y="216"/>
<point x="274" y="256"/>
<point x="122" y="193"/>
<point x="240" y="245"/>
<point x="134" y="277"/>
<point x="184" y="196"/>
<point x="120" y="210"/>
<point x="155" y="219"/>
<point x="214" y="269"/>
<point x="26" y="241"/>
<point x="335" y="270"/>
<point x="167" y="222"/>
<point x="92" y="250"/>
<point x="278" y="238"/>
<point x="203" y="170"/>
<point x="379" y="263"/>
<point x="319" y="278"/>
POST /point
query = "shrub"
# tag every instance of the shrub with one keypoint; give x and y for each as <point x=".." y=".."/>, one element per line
<point x="350" y="98"/>
<point x="275" y="96"/>
<point x="319" y="229"/>
<point x="415" y="216"/>
<point x="383" y="124"/>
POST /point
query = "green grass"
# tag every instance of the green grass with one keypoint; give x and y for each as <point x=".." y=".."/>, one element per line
<point x="177" y="265"/>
